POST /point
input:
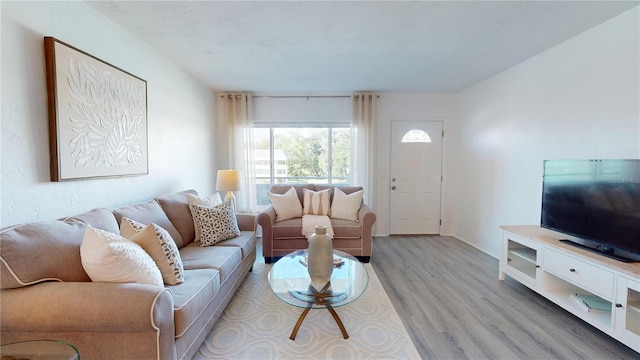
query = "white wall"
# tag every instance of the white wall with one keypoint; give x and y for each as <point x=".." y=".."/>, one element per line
<point x="180" y="116"/>
<point x="580" y="99"/>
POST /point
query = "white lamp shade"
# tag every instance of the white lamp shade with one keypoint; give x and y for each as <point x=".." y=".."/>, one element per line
<point x="228" y="180"/>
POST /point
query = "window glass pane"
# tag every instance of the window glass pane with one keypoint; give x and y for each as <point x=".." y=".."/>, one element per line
<point x="341" y="155"/>
<point x="305" y="153"/>
<point x="416" y="135"/>
<point x="300" y="156"/>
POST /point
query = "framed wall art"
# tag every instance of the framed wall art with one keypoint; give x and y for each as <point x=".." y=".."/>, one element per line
<point x="97" y="116"/>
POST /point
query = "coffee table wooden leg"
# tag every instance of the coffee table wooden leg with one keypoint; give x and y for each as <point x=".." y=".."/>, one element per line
<point x="300" y="320"/>
<point x="338" y="321"/>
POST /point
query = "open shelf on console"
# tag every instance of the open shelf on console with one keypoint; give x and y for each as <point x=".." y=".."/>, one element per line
<point x="562" y="293"/>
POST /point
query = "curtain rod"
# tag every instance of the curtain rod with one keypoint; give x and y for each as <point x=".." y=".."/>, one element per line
<point x="304" y="96"/>
<point x="296" y="96"/>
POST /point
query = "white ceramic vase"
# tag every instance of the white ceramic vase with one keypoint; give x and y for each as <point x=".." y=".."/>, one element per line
<point x="320" y="258"/>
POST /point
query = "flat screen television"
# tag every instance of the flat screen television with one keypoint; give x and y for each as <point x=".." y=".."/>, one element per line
<point x="595" y="203"/>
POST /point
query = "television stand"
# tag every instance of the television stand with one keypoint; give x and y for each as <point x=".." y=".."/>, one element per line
<point x="561" y="272"/>
<point x="610" y="253"/>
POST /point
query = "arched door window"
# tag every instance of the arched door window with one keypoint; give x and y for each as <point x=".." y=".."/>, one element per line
<point x="416" y="136"/>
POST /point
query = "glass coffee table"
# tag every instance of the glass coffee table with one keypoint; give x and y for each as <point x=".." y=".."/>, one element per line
<point x="39" y="349"/>
<point x="290" y="281"/>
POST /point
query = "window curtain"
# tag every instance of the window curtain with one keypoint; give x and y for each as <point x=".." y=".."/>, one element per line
<point x="235" y="111"/>
<point x="362" y="144"/>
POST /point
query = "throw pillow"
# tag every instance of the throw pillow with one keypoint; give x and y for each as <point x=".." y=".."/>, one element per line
<point x="157" y="242"/>
<point x="209" y="201"/>
<point x="108" y="257"/>
<point x="316" y="202"/>
<point x="287" y="206"/>
<point x="346" y="206"/>
<point x="216" y="223"/>
<point x="129" y="227"/>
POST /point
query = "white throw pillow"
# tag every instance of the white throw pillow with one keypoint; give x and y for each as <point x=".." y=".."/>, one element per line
<point x="108" y="257"/>
<point x="209" y="201"/>
<point x="346" y="206"/>
<point x="129" y="227"/>
<point x="287" y="205"/>
<point x="216" y="223"/>
<point x="317" y="202"/>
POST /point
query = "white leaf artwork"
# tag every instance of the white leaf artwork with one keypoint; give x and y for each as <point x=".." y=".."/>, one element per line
<point x="100" y="120"/>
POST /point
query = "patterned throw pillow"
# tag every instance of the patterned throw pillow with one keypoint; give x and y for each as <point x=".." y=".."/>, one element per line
<point x="209" y="201"/>
<point x="346" y="206"/>
<point x="108" y="257"/>
<point x="216" y="223"/>
<point x="157" y="242"/>
<point x="287" y="206"/>
<point x="316" y="202"/>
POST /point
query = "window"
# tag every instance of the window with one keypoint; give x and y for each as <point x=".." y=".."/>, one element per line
<point x="300" y="155"/>
<point x="416" y="136"/>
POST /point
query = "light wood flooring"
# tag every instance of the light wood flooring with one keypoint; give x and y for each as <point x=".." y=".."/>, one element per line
<point x="454" y="307"/>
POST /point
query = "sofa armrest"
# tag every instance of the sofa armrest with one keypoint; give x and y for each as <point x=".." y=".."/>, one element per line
<point x="88" y="306"/>
<point x="367" y="218"/>
<point x="266" y="219"/>
<point x="247" y="222"/>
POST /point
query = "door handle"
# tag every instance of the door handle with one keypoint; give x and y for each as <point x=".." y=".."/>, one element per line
<point x="393" y="187"/>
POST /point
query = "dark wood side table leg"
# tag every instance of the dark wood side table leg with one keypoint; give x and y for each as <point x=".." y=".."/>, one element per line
<point x="300" y="320"/>
<point x="338" y="321"/>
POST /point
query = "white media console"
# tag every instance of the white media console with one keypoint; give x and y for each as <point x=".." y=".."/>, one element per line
<point x="535" y="257"/>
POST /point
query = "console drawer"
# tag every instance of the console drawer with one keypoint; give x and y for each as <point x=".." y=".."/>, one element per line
<point x="587" y="276"/>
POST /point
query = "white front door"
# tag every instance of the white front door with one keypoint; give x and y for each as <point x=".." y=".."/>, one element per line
<point x="416" y="177"/>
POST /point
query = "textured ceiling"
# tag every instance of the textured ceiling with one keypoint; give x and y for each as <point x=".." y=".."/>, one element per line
<point x="335" y="47"/>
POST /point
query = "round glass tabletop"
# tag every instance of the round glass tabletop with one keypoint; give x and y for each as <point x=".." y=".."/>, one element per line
<point x="289" y="279"/>
<point x="39" y="349"/>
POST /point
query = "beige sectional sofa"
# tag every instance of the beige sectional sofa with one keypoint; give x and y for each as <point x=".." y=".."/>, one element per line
<point x="280" y="238"/>
<point x="46" y="294"/>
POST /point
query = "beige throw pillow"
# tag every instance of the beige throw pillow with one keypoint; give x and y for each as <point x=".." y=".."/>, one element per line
<point x="287" y="206"/>
<point x="157" y="242"/>
<point x="317" y="202"/>
<point x="216" y="223"/>
<point x="209" y="201"/>
<point x="346" y="206"/>
<point x="108" y="257"/>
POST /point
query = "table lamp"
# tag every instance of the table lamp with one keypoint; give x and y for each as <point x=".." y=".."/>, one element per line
<point x="229" y="181"/>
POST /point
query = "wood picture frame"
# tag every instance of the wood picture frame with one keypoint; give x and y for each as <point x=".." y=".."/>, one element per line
<point x="97" y="116"/>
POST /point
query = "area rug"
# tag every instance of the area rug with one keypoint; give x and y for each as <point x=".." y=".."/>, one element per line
<point x="257" y="325"/>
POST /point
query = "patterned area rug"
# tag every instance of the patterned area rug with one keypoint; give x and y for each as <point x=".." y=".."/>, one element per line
<point x="257" y="325"/>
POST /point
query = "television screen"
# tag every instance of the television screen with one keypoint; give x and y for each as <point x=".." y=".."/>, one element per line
<point x="597" y="201"/>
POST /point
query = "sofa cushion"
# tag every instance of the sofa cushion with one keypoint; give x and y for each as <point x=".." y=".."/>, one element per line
<point x="317" y="202"/>
<point x="216" y="223"/>
<point x="147" y="213"/>
<point x="177" y="209"/>
<point x="157" y="242"/>
<point x="246" y="242"/>
<point x="193" y="296"/>
<point x="209" y="201"/>
<point x="287" y="205"/>
<point x="346" y="229"/>
<point x="222" y="258"/>
<point x="53" y="245"/>
<point x="288" y="229"/>
<point x="109" y="257"/>
<point x="346" y="206"/>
